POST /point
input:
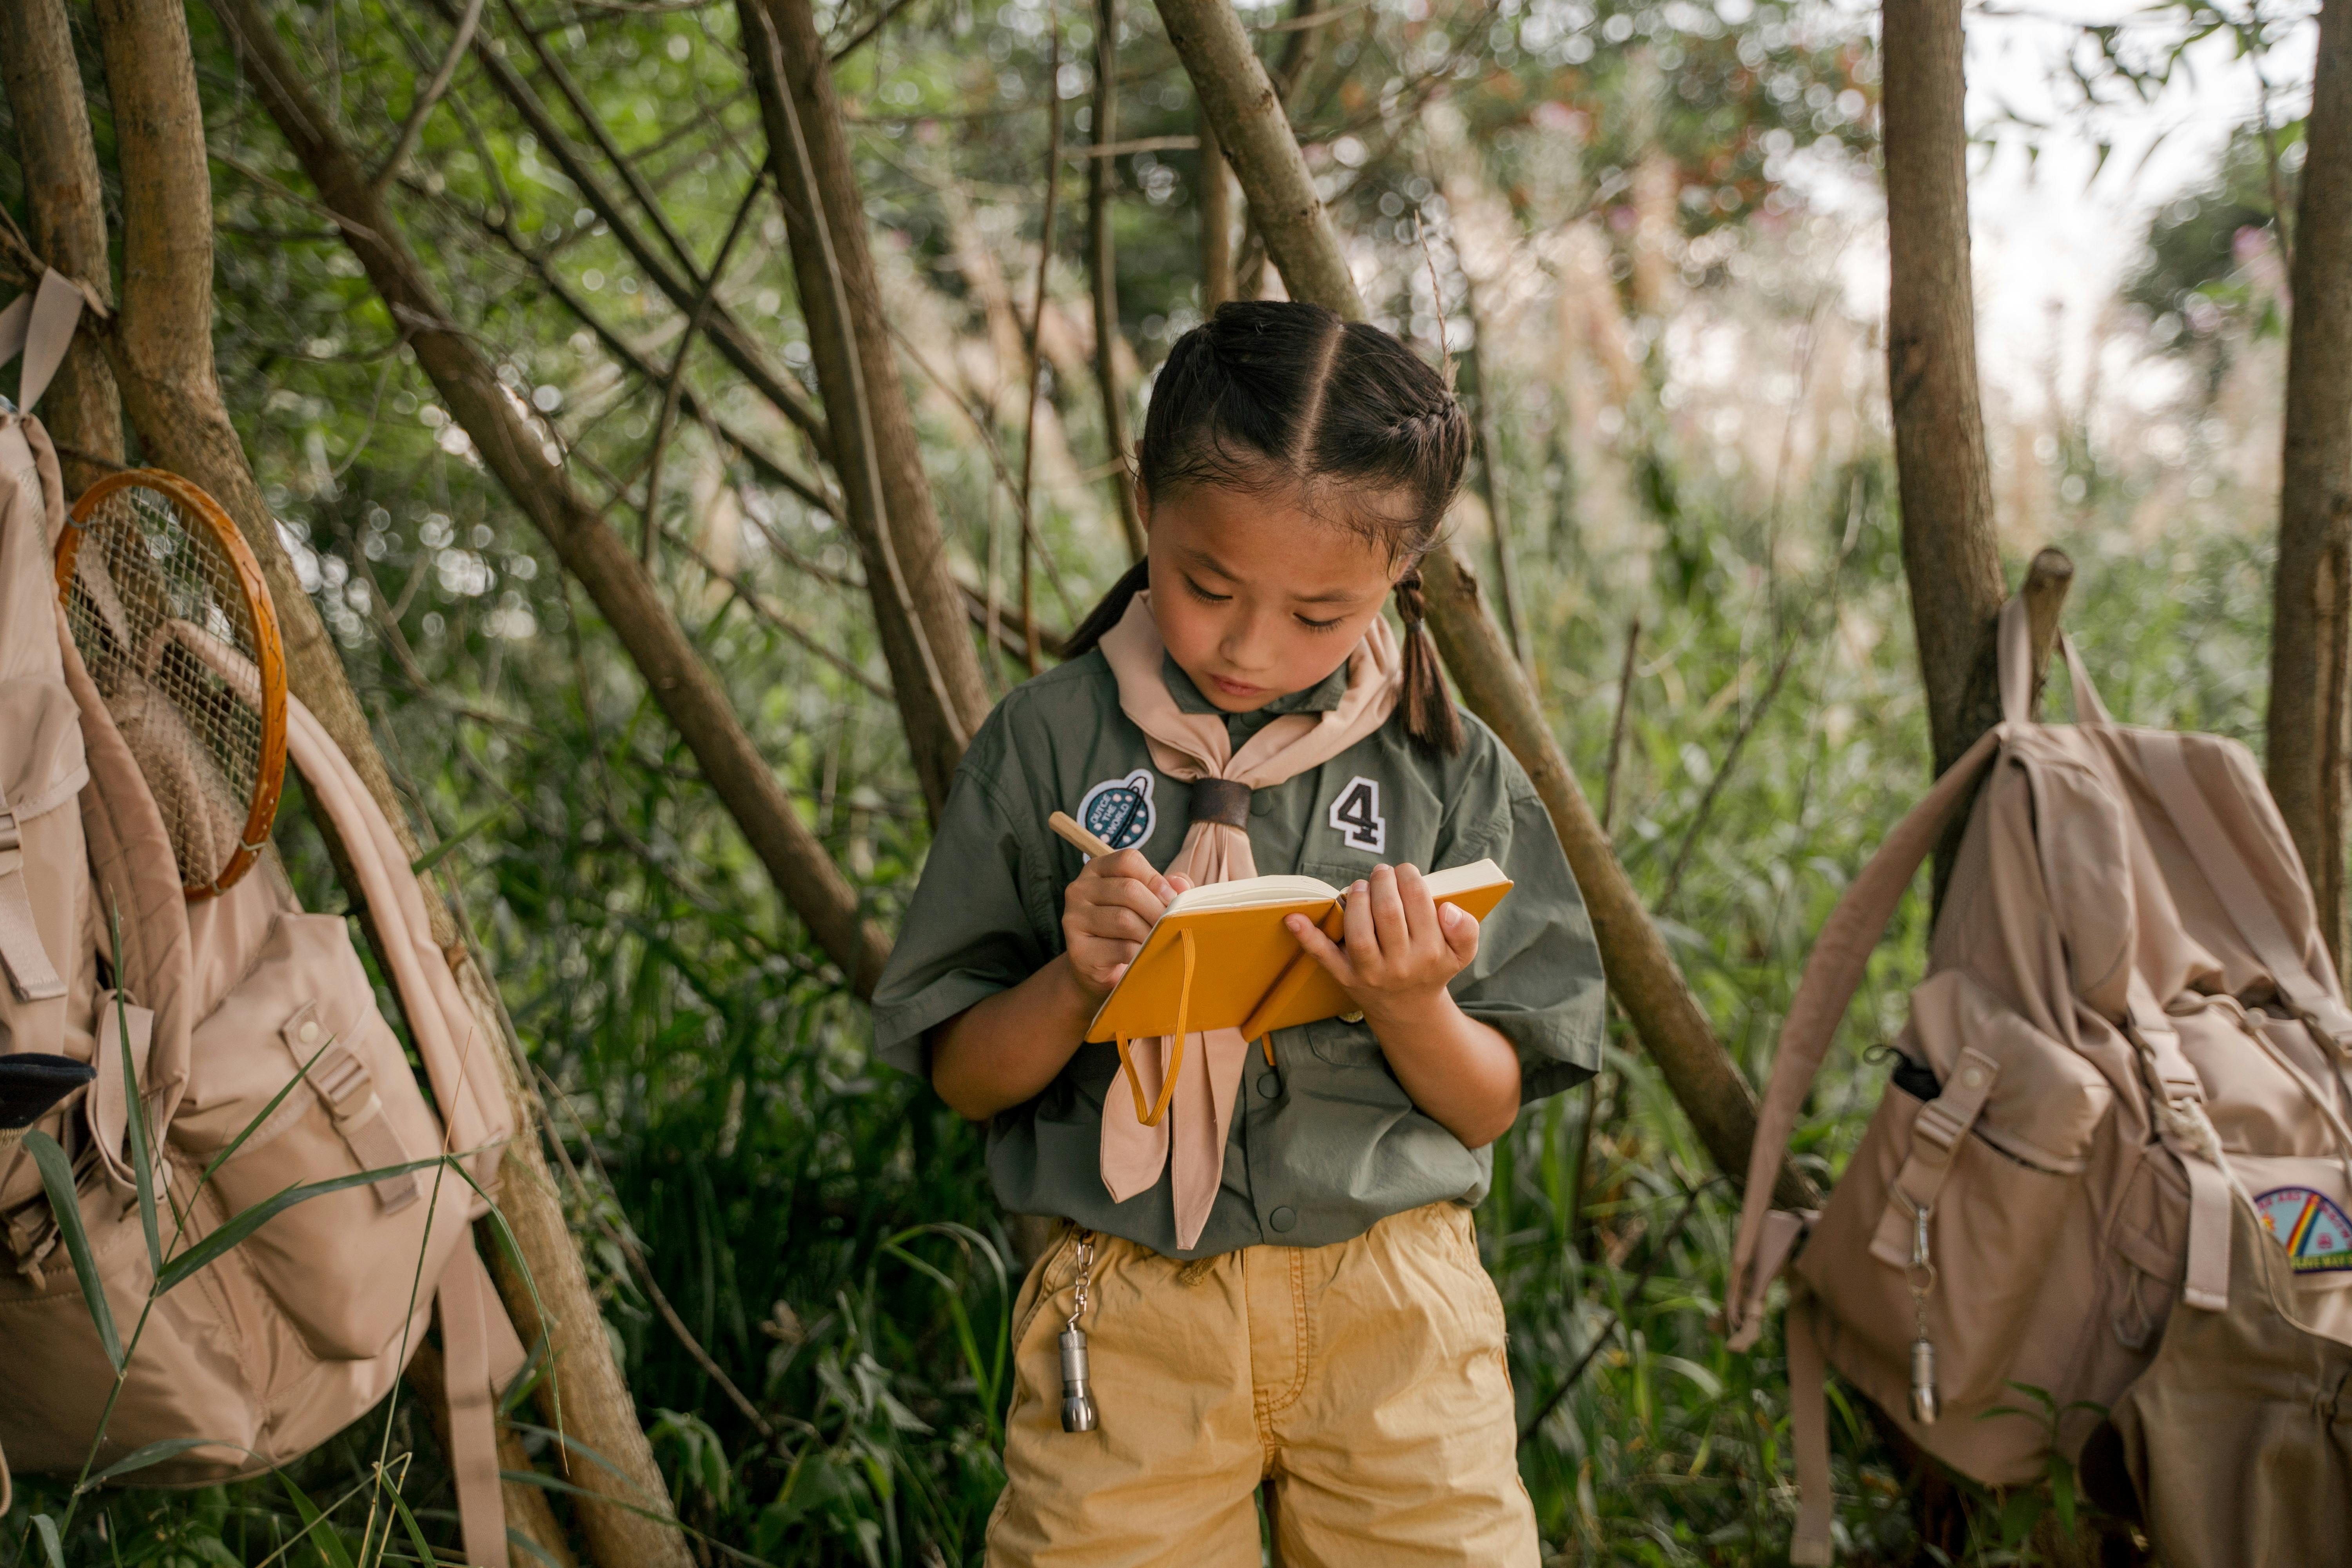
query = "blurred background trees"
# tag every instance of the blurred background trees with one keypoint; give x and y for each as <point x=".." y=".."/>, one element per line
<point x="807" y="336"/>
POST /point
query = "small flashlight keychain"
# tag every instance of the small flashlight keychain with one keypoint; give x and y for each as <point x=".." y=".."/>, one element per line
<point x="1925" y="1405"/>
<point x="1079" y="1413"/>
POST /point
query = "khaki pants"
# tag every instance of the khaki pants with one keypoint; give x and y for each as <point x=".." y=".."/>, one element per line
<point x="1365" y="1380"/>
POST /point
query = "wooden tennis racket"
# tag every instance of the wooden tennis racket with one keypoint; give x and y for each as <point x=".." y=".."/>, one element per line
<point x="167" y="608"/>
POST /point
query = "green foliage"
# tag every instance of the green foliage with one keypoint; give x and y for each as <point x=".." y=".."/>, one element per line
<point x="822" y="1225"/>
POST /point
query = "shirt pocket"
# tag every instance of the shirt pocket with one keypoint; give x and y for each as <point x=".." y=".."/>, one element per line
<point x="1337" y="1040"/>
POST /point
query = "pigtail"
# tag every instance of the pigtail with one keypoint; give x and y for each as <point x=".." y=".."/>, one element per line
<point x="1110" y="612"/>
<point x="1429" y="715"/>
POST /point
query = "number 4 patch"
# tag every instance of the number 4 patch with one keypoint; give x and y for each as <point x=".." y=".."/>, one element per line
<point x="1356" y="814"/>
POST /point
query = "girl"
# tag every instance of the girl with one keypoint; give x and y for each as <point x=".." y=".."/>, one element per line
<point x="1279" y="1281"/>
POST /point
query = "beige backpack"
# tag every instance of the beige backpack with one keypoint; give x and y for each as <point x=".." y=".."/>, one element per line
<point x="299" y="1330"/>
<point x="2130" y="1035"/>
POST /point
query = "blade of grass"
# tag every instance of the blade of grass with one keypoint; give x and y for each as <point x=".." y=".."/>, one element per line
<point x="65" y="1205"/>
<point x="154" y="1454"/>
<point x="47" y="1529"/>
<point x="232" y="1235"/>
<point x="439" y="852"/>
<point x="143" y="1164"/>
<point x="518" y="1541"/>
<point x="266" y="1112"/>
<point x="315" y="1525"/>
<point x="425" y="1552"/>
<point x="557" y="1484"/>
<point x="513" y="1249"/>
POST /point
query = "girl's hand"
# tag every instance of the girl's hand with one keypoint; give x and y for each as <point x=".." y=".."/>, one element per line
<point x="1401" y="946"/>
<point x="1106" y="914"/>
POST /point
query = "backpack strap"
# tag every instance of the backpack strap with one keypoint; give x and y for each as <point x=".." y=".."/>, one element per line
<point x="30" y="973"/>
<point x="481" y="1355"/>
<point x="1810" y="1545"/>
<point x="1832" y="974"/>
<point x="40" y="326"/>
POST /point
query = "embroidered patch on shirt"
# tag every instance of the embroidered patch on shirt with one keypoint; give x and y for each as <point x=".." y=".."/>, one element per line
<point x="1356" y="814"/>
<point x="1119" y="811"/>
<point x="2315" y="1232"/>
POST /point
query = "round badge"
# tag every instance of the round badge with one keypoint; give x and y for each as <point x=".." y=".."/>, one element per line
<point x="2313" y="1230"/>
<point x="1119" y="811"/>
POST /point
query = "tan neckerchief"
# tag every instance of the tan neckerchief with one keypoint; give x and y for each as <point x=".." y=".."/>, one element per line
<point x="1194" y="746"/>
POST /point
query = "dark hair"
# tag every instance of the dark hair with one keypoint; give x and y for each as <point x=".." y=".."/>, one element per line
<point x="1272" y="394"/>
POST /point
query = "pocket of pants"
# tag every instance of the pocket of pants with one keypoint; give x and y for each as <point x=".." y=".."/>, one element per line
<point x="1459" y="1239"/>
<point x="1041" y="1285"/>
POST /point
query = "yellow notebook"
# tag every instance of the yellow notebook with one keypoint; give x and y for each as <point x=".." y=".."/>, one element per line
<point x="1220" y="957"/>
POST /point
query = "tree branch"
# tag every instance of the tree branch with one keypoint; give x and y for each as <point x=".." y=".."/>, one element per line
<point x="413" y="126"/>
<point x="675" y="380"/>
<point x="1234" y="89"/>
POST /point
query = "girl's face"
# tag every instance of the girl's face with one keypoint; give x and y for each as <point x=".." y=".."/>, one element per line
<point x="1255" y="595"/>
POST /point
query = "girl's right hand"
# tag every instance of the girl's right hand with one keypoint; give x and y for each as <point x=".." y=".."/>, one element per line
<point x="1107" y="911"/>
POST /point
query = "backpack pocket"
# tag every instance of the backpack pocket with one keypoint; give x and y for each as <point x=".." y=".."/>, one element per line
<point x="340" y="1266"/>
<point x="1963" y="1196"/>
<point x="188" y="1377"/>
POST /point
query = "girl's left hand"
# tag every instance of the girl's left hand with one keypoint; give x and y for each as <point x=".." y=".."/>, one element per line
<point x="1401" y="947"/>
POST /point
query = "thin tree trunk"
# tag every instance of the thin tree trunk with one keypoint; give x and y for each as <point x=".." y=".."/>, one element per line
<point x="1949" y="552"/>
<point x="177" y="410"/>
<point x="1494" y="479"/>
<point x="67" y="217"/>
<point x="1213" y="191"/>
<point x="1102" y="177"/>
<point x="1238" y="98"/>
<point x="934" y="668"/>
<point x="1232" y="85"/>
<point x="514" y="453"/>
<point x="596" y="1403"/>
<point x="2310" y="719"/>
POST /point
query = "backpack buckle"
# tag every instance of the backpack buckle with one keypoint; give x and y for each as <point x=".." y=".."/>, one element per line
<point x="12" y="852"/>
<point x="2331" y="1024"/>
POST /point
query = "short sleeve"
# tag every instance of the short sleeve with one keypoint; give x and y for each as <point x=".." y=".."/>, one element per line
<point x="1537" y="977"/>
<point x="969" y="931"/>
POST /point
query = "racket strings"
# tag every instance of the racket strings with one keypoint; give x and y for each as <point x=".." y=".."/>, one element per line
<point x="160" y="616"/>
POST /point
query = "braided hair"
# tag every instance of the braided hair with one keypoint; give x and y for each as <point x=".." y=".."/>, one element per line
<point x="1271" y="395"/>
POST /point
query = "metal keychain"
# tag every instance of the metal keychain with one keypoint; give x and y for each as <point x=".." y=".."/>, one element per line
<point x="1921" y="1279"/>
<point x="1078" y="1414"/>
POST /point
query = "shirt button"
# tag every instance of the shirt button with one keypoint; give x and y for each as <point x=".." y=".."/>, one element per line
<point x="1269" y="1084"/>
<point x="1283" y="1218"/>
<point x="1261" y="802"/>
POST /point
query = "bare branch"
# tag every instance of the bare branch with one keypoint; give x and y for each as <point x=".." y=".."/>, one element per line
<point x="1036" y="323"/>
<point x="857" y="40"/>
<point x="675" y="380"/>
<point x="414" y="127"/>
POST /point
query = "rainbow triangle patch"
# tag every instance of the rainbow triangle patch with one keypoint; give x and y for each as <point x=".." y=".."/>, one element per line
<point x="2313" y="1230"/>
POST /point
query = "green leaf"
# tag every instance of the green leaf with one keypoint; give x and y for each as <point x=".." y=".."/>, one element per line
<point x="425" y="1552"/>
<point x="142" y="1161"/>
<point x="229" y="1236"/>
<point x="261" y="1116"/>
<point x="2061" y="1492"/>
<point x="315" y="1525"/>
<point x="64" y="1204"/>
<point x="513" y="1249"/>
<point x="152" y="1453"/>
<point x="518" y="1541"/>
<point x="47" y="1529"/>
<point x="440" y="852"/>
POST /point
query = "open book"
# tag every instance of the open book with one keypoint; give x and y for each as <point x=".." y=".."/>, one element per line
<point x="1220" y="957"/>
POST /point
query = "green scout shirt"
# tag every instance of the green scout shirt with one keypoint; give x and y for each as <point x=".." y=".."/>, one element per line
<point x="1325" y="1142"/>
